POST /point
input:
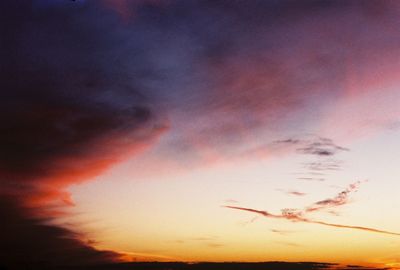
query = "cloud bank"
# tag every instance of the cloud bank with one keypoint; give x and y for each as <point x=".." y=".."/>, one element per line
<point x="69" y="111"/>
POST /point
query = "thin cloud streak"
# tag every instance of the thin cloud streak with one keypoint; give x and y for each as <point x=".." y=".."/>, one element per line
<point x="282" y="232"/>
<point x="315" y="145"/>
<point x="292" y="192"/>
<point x="340" y="199"/>
<point x="296" y="218"/>
<point x="296" y="215"/>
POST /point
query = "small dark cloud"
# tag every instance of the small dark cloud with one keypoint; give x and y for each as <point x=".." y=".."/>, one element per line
<point x="296" y="193"/>
<point x="325" y="165"/>
<point x="320" y="146"/>
<point x="288" y="141"/>
<point x="313" y="145"/>
<point x="282" y="232"/>
<point x="322" y="151"/>
<point x="292" y="192"/>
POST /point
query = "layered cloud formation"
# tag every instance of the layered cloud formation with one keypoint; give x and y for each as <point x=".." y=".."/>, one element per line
<point x="85" y="84"/>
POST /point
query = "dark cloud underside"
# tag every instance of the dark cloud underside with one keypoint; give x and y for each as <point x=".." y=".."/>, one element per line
<point x="68" y="112"/>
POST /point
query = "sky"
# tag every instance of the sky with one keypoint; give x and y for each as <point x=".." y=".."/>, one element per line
<point x="163" y="130"/>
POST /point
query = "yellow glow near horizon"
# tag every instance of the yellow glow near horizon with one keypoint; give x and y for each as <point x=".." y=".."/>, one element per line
<point x="179" y="217"/>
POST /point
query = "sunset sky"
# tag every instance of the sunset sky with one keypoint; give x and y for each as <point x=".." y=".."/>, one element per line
<point x="155" y="130"/>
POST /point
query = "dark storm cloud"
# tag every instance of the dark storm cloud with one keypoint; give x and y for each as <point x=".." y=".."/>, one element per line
<point x="32" y="243"/>
<point x="69" y="110"/>
<point x="63" y="90"/>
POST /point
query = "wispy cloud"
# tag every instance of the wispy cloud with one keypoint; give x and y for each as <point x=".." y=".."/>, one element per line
<point x="321" y="147"/>
<point x="323" y="165"/>
<point x="341" y="198"/>
<point x="313" y="145"/>
<point x="292" y="192"/>
<point x="320" y="152"/>
<point x="311" y="179"/>
<point x="282" y="232"/>
<point x="296" y="193"/>
<point x="298" y="215"/>
<point x="295" y="217"/>
<point x="286" y="243"/>
<point x="209" y="241"/>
